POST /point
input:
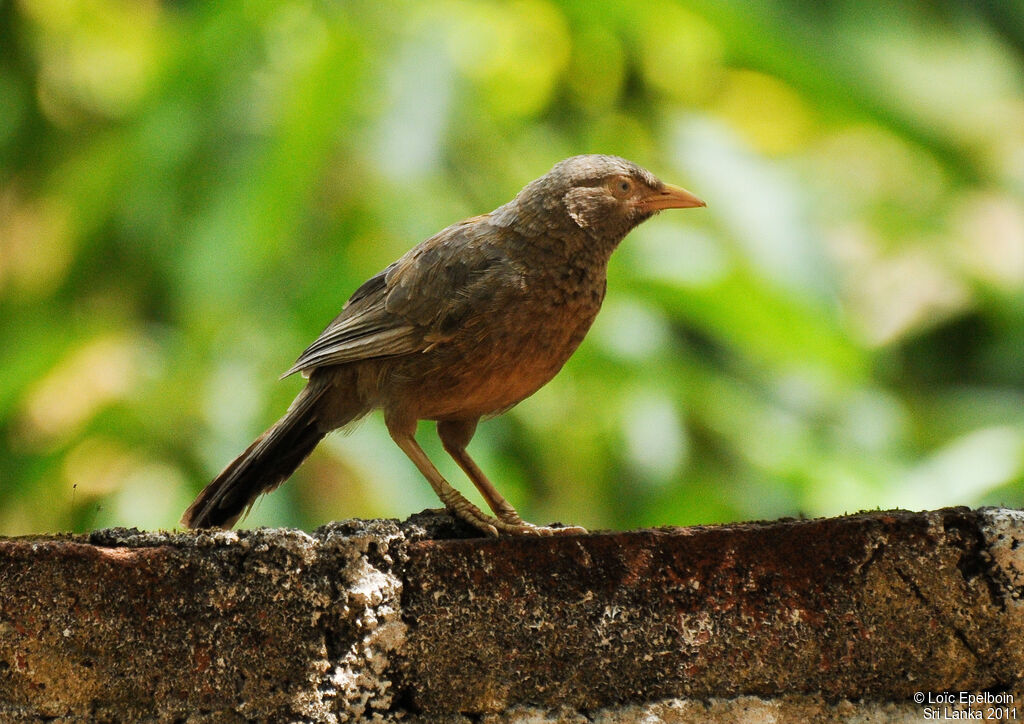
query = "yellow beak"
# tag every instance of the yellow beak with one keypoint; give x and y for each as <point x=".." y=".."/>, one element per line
<point x="670" y="197"/>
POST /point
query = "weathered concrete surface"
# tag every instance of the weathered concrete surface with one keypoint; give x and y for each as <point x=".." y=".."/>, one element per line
<point x="126" y="626"/>
<point x="843" y="619"/>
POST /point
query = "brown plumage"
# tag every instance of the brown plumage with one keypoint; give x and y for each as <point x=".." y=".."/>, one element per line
<point x="463" y="326"/>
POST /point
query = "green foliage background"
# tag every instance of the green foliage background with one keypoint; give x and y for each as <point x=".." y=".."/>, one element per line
<point x="190" y="191"/>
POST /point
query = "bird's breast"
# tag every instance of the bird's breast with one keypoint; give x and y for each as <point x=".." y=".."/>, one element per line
<point x="508" y="348"/>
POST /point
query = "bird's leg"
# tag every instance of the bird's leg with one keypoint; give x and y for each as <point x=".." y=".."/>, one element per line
<point x="455" y="436"/>
<point x="456" y="502"/>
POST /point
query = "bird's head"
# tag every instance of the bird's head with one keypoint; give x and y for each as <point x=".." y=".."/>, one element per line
<point x="605" y="196"/>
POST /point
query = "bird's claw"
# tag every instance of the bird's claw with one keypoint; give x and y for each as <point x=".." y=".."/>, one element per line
<point x="508" y="521"/>
<point x="568" y="530"/>
<point x="549" y="530"/>
<point x="517" y="526"/>
<point x="495" y="527"/>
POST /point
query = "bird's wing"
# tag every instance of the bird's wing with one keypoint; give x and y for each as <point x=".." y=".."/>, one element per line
<point x="416" y="302"/>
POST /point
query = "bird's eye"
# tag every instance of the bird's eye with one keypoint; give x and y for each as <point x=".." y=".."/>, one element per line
<point x="621" y="187"/>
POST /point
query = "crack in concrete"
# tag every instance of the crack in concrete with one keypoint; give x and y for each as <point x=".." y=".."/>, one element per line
<point x="940" y="614"/>
<point x="876" y="552"/>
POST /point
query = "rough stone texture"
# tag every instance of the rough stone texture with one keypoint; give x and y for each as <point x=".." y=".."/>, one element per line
<point x="843" y="619"/>
<point x="267" y="624"/>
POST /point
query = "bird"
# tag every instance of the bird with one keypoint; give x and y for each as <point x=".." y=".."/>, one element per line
<point x="462" y="327"/>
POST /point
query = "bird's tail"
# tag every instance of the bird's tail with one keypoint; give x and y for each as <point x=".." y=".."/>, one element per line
<point x="263" y="466"/>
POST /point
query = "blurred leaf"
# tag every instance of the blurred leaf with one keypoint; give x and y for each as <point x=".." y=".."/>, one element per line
<point x="189" y="193"/>
<point x="765" y="324"/>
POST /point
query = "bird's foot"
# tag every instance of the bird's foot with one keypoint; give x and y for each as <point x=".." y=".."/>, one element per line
<point x="515" y="525"/>
<point x="570" y="530"/>
<point x="465" y="511"/>
<point x="507" y="514"/>
<point x="525" y="528"/>
<point x="508" y="521"/>
<point x="504" y="526"/>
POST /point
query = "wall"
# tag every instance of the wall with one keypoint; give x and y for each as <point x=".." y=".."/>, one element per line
<point x="794" y="620"/>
